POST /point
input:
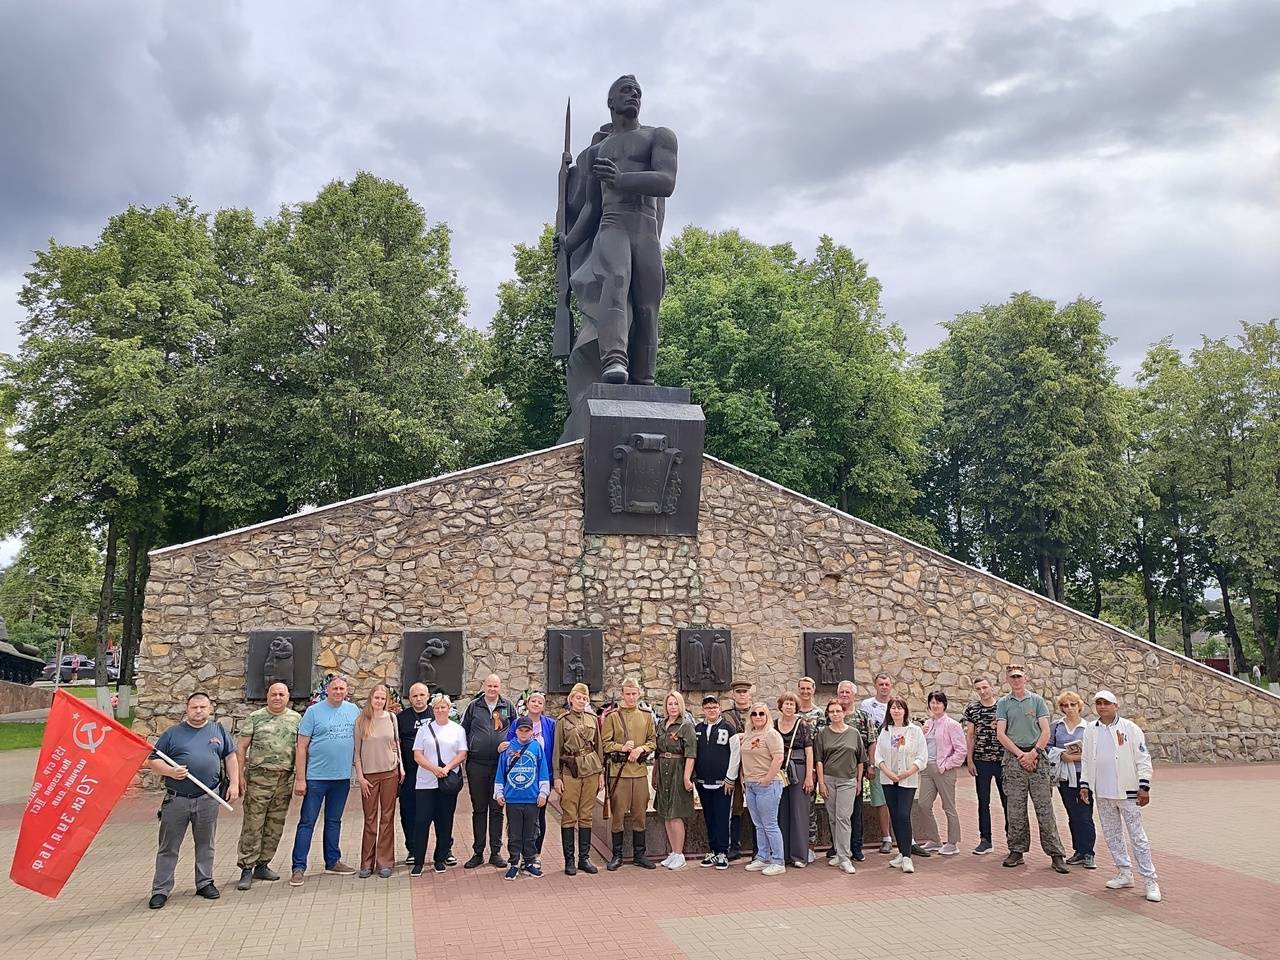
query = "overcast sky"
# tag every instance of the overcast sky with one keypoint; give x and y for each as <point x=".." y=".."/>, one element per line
<point x="1128" y="152"/>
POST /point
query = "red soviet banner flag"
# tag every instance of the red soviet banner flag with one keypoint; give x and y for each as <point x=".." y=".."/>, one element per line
<point x="86" y="761"/>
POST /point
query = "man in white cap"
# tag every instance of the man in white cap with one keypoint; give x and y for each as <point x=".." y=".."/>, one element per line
<point x="1116" y="769"/>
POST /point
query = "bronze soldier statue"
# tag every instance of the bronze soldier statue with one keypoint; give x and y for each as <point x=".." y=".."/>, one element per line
<point x="616" y="199"/>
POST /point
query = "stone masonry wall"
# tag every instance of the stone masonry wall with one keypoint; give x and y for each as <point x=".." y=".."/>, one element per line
<point x="499" y="552"/>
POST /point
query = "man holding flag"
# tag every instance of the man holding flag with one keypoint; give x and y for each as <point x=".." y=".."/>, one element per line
<point x="194" y="749"/>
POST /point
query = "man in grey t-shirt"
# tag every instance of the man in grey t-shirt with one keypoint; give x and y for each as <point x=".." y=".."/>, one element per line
<point x="200" y="748"/>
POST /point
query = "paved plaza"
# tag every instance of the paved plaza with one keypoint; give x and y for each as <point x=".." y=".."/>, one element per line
<point x="1213" y="830"/>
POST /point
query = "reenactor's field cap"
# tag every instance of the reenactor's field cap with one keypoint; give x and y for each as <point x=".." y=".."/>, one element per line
<point x="740" y="685"/>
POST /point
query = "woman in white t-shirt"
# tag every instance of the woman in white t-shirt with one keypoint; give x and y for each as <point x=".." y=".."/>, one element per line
<point x="439" y="750"/>
<point x="901" y="753"/>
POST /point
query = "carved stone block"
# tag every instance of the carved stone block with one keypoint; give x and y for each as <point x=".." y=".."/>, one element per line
<point x="642" y="462"/>
<point x="704" y="659"/>
<point x="828" y="656"/>
<point x="574" y="656"/>
<point x="284" y="653"/>
<point x="433" y="657"/>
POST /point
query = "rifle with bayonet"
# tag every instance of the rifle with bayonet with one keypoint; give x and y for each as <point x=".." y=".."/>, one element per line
<point x="562" y="332"/>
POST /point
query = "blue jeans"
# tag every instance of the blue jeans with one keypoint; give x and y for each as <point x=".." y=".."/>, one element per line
<point x="333" y="794"/>
<point x="762" y="804"/>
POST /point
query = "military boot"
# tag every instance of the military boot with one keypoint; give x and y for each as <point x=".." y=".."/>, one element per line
<point x="584" y="851"/>
<point x="616" y="861"/>
<point x="644" y="364"/>
<point x="566" y="843"/>
<point x="637" y="851"/>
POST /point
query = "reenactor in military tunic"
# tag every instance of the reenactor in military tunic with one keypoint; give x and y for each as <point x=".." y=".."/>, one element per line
<point x="629" y="739"/>
<point x="577" y="768"/>
<point x="737" y="715"/>
<point x="266" y="741"/>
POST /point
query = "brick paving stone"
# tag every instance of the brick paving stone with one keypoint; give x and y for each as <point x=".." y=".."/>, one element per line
<point x="1219" y="896"/>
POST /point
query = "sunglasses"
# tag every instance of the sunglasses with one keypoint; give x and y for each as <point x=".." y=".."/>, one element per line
<point x="758" y="713"/>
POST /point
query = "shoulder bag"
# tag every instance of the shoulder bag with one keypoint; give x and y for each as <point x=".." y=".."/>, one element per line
<point x="452" y="781"/>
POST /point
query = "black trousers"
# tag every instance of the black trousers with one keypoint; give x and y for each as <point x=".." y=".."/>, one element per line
<point x="988" y="770"/>
<point x="1080" y="817"/>
<point x="408" y="804"/>
<point x="522" y="832"/>
<point x="715" y="810"/>
<point x="433" y="808"/>
<point x="485" y="810"/>
<point x="855" y="826"/>
<point x="899" y="800"/>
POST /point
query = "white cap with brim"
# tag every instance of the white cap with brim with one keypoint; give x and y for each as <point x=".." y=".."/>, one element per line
<point x="1106" y="695"/>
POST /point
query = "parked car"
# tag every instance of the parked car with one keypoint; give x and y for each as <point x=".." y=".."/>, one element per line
<point x="84" y="671"/>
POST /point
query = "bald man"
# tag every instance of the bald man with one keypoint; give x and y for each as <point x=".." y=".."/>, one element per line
<point x="486" y="722"/>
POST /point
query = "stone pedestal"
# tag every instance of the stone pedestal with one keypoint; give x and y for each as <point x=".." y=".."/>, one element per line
<point x="642" y="460"/>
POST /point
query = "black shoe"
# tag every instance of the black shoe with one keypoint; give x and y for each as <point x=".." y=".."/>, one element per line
<point x="495" y="860"/>
<point x="615" y="372"/>
<point x="416" y="871"/>
<point x="209" y="892"/>
<point x="263" y="871"/>
<point x="439" y="867"/>
<point x="1075" y="858"/>
<point x="566" y="844"/>
<point x="477" y="859"/>
<point x="637" y="851"/>
<point x="616" y="860"/>
<point x="734" y="854"/>
<point x="584" y="851"/>
<point x="1013" y="860"/>
<point x="451" y="861"/>
<point x="858" y="855"/>
<point x="246" y="879"/>
<point x="919" y="851"/>
<point x="157" y="901"/>
<point x="1060" y="864"/>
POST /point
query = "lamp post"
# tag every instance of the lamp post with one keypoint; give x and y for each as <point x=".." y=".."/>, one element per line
<point x="63" y="633"/>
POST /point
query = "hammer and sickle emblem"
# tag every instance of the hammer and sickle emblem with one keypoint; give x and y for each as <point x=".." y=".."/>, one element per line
<point x="88" y="736"/>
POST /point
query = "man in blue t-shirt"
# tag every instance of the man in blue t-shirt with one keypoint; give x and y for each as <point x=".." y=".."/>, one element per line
<point x="199" y="748"/>
<point x="326" y="752"/>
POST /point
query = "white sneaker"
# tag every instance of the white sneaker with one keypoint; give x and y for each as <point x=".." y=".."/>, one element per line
<point x="907" y="866"/>
<point x="667" y="861"/>
<point x="811" y="857"/>
<point x="1122" y="879"/>
<point x="755" y="865"/>
<point x="948" y="850"/>
<point x="896" y="861"/>
<point x="676" y="861"/>
<point x="1153" y="891"/>
<point x="833" y="861"/>
<point x="931" y="845"/>
<point x="848" y="867"/>
<point x="773" y="870"/>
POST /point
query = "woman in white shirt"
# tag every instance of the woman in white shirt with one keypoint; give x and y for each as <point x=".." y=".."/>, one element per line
<point x="439" y="750"/>
<point x="901" y="753"/>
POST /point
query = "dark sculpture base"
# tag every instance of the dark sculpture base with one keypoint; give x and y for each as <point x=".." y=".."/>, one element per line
<point x="642" y="460"/>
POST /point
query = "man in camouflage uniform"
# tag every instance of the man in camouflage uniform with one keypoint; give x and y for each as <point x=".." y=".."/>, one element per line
<point x="861" y="721"/>
<point x="816" y="717"/>
<point x="1022" y="727"/>
<point x="266" y="743"/>
<point x="737" y="715"/>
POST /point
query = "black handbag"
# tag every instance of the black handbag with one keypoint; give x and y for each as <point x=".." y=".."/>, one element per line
<point x="451" y="782"/>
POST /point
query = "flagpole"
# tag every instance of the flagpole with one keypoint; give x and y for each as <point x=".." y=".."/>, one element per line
<point x="174" y="763"/>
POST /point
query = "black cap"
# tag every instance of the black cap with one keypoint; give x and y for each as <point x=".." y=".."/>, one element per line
<point x="710" y="698"/>
<point x="524" y="723"/>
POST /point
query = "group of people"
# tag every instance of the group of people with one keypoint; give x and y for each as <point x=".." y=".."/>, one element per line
<point x="784" y="773"/>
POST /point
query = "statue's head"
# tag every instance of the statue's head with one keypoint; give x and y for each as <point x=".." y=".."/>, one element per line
<point x="624" y="97"/>
<point x="281" y="648"/>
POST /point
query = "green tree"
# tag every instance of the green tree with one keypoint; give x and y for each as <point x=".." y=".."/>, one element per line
<point x="799" y="377"/>
<point x="1026" y="463"/>
<point x="531" y="382"/>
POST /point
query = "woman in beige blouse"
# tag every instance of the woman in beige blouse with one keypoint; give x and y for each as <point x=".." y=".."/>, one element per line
<point x="379" y="771"/>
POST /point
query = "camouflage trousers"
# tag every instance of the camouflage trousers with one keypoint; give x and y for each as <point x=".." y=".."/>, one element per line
<point x="1018" y="785"/>
<point x="266" y="801"/>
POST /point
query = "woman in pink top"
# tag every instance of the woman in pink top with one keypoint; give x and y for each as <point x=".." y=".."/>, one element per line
<point x="947" y="752"/>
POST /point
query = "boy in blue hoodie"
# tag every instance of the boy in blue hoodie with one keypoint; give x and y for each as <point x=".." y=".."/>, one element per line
<point x="521" y="786"/>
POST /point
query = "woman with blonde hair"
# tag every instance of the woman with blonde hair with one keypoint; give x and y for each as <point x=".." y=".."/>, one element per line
<point x="577" y="772"/>
<point x="673" y="775"/>
<point x="379" y="773"/>
<point x="1065" y="749"/>
<point x="760" y="757"/>
<point x="439" y="750"/>
<point x="797" y="790"/>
